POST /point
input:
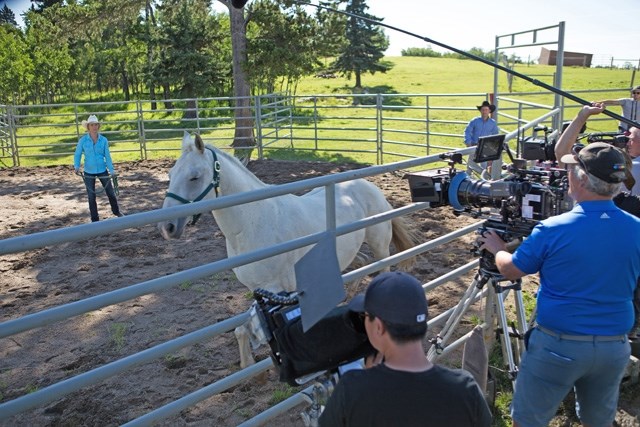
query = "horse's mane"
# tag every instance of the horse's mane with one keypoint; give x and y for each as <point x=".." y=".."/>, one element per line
<point x="238" y="163"/>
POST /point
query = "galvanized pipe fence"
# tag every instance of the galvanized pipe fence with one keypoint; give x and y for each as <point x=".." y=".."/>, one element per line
<point x="81" y="232"/>
<point x="85" y="231"/>
<point x="378" y="127"/>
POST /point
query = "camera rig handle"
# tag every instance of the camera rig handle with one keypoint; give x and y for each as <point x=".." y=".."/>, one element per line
<point x="472" y="56"/>
<point x="280" y="299"/>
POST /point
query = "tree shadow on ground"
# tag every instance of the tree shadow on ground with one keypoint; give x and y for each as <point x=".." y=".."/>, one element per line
<point x="291" y="154"/>
<point x="368" y="95"/>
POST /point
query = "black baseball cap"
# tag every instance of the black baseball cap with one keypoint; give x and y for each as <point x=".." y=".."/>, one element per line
<point x="394" y="297"/>
<point x="601" y="160"/>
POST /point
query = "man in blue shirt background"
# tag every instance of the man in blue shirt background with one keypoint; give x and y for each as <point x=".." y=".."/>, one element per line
<point x="483" y="125"/>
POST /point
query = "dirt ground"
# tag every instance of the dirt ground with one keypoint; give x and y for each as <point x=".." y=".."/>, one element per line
<point x="40" y="199"/>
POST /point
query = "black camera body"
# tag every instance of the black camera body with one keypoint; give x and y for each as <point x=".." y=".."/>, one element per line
<point x="538" y="148"/>
<point x="543" y="149"/>
<point x="513" y="233"/>
<point x="532" y="194"/>
<point x="535" y="148"/>
<point x="333" y="342"/>
<point x="616" y="139"/>
<point x="515" y="203"/>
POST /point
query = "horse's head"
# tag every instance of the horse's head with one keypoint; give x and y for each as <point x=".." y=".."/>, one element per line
<point x="191" y="179"/>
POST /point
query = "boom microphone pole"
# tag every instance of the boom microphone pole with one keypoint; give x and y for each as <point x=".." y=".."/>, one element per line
<point x="472" y="56"/>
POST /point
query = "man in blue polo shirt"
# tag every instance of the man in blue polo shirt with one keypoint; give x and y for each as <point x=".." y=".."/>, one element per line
<point x="483" y="125"/>
<point x="628" y="201"/>
<point x="589" y="263"/>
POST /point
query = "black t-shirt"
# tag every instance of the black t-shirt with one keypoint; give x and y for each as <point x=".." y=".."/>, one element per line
<point x="384" y="397"/>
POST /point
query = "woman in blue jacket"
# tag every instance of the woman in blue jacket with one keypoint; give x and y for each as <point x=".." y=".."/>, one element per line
<point x="97" y="160"/>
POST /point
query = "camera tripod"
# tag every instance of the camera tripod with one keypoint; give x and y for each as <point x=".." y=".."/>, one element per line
<point x="511" y="336"/>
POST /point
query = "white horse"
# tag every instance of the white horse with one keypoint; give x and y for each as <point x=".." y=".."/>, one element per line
<point x="204" y="172"/>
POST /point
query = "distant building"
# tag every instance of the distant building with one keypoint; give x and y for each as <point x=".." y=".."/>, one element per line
<point x="548" y="57"/>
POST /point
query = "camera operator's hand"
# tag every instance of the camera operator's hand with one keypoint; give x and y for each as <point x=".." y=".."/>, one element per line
<point x="492" y="242"/>
<point x="592" y="110"/>
<point x="570" y="135"/>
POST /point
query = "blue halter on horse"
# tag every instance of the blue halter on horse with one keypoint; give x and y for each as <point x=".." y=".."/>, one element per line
<point x="215" y="182"/>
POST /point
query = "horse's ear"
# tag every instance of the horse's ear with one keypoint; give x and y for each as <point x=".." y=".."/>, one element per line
<point x="186" y="142"/>
<point x="199" y="143"/>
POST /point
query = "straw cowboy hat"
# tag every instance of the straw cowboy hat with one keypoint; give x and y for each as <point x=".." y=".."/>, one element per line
<point x="492" y="107"/>
<point x="92" y="119"/>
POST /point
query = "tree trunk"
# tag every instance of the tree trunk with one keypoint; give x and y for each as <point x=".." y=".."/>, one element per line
<point x="188" y="92"/>
<point x="166" y="93"/>
<point x="125" y="82"/>
<point x="150" y="20"/>
<point x="358" y="87"/>
<point x="243" y="136"/>
<point x="152" y="96"/>
<point x="123" y="71"/>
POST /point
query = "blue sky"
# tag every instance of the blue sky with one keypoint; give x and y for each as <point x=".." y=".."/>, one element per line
<point x="591" y="26"/>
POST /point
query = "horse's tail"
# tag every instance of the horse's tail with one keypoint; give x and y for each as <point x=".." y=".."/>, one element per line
<point x="403" y="238"/>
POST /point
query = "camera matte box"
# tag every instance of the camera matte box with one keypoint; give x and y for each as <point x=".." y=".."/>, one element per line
<point x="427" y="186"/>
<point x="534" y="149"/>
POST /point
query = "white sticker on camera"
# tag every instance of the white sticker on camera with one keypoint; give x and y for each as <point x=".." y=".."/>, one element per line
<point x="527" y="209"/>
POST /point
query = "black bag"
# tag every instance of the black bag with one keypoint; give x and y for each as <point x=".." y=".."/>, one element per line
<point x="336" y="339"/>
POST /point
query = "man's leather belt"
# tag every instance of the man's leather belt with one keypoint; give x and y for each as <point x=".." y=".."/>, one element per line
<point x="581" y="337"/>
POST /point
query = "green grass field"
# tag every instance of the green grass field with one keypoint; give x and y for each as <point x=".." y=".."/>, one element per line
<point x="445" y="75"/>
<point x="47" y="136"/>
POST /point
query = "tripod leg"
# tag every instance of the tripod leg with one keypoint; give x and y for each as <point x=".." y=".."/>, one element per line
<point x="454" y="319"/>
<point x="523" y="325"/>
<point x="505" y="340"/>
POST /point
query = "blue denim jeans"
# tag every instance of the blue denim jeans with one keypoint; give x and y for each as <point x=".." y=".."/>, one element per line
<point x="90" y="184"/>
<point x="552" y="366"/>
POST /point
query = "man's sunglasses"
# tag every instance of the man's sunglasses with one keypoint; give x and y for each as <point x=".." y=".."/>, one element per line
<point x="636" y="93"/>
<point x="576" y="148"/>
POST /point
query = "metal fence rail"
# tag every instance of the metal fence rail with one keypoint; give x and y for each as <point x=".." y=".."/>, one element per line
<point x="385" y="127"/>
<point x="46" y="317"/>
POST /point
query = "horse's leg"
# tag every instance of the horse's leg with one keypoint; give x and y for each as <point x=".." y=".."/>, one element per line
<point x="361" y="259"/>
<point x="242" y="335"/>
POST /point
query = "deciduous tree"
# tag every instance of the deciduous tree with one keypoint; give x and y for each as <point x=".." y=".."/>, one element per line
<point x="50" y="56"/>
<point x="283" y="47"/>
<point x="190" y="59"/>
<point x="16" y="66"/>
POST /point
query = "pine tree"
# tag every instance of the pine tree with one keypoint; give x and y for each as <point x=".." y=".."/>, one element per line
<point x="41" y="5"/>
<point x="366" y="44"/>
<point x="7" y="16"/>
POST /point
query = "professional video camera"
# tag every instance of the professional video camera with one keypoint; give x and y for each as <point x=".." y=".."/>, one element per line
<point x="617" y="139"/>
<point x="515" y="203"/>
<point x="536" y="148"/>
<point x="543" y="149"/>
<point x="332" y="346"/>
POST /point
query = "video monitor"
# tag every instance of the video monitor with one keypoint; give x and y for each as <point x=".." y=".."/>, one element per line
<point x="489" y="148"/>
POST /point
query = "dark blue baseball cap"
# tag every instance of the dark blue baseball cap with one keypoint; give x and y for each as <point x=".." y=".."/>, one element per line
<point x="602" y="160"/>
<point x="394" y="297"/>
